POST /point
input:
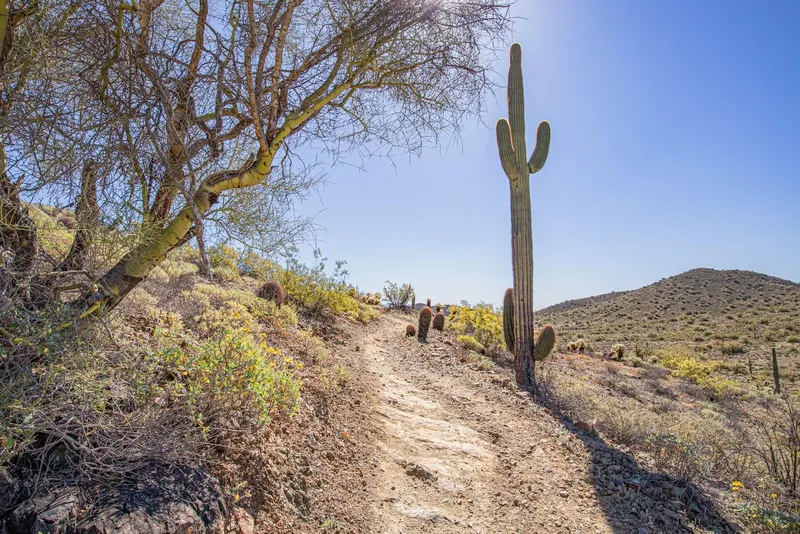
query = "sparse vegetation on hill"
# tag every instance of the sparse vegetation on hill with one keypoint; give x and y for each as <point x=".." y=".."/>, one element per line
<point x="694" y="390"/>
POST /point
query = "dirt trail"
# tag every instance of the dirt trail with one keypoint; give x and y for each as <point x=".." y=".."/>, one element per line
<point x="458" y="450"/>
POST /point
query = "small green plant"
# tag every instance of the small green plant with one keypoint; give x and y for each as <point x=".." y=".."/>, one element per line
<point x="438" y="321"/>
<point x="424" y="323"/>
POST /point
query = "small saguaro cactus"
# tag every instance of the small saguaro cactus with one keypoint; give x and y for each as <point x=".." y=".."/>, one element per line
<point x="518" y="168"/>
<point x="776" y="375"/>
<point x="428" y="303"/>
<point x="272" y="290"/>
<point x="545" y="342"/>
<point x="438" y="321"/>
<point x="508" y="319"/>
<point x="413" y="302"/>
<point x="411" y="331"/>
<point x="424" y="323"/>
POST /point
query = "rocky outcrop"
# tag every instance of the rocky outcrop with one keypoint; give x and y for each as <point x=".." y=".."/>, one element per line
<point x="157" y="499"/>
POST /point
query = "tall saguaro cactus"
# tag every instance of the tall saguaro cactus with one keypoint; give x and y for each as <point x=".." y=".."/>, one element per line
<point x="513" y="156"/>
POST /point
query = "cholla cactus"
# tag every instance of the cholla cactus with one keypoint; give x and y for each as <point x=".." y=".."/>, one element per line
<point x="618" y="351"/>
<point x="424" y="323"/>
<point x="438" y="321"/>
<point x="513" y="156"/>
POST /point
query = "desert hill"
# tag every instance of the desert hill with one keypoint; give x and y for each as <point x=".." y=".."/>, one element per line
<point x="727" y="310"/>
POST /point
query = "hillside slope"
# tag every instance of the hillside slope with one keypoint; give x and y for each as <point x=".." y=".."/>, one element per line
<point x="703" y="306"/>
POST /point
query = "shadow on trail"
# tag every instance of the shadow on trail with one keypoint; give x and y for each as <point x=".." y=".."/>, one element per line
<point x="637" y="500"/>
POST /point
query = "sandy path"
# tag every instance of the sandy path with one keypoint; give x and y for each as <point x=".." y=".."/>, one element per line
<point x="459" y="451"/>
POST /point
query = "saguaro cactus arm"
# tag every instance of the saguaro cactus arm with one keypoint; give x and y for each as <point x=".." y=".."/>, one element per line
<point x="542" y="148"/>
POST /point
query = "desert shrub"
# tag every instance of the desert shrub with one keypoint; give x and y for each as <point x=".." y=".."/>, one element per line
<point x="793" y="339"/>
<point x="776" y="429"/>
<point x="398" y="296"/>
<point x="673" y="455"/>
<point x="315" y="290"/>
<point x="480" y="322"/>
<point x="684" y="365"/>
<point x="219" y="309"/>
<point x="271" y="290"/>
<point x="625" y="427"/>
<point x="733" y="347"/>
<point x="633" y="361"/>
<point x="158" y="275"/>
<point x="252" y="265"/>
<point x="231" y="373"/>
<point x="176" y="268"/>
<point x="481" y="362"/>
<point x="366" y="314"/>
<point x="54" y="238"/>
<point x="332" y="379"/>
<point x="760" y="520"/>
<point x="470" y="343"/>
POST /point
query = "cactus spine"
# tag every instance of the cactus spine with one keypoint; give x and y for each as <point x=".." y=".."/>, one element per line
<point x="508" y="319"/>
<point x="512" y="149"/>
<point x="544" y="344"/>
<point x="424" y="323"/>
<point x="776" y="375"/>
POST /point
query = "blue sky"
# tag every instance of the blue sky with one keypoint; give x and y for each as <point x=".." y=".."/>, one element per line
<point x="676" y="129"/>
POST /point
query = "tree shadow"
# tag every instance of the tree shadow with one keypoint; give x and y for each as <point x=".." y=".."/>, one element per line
<point x="640" y="501"/>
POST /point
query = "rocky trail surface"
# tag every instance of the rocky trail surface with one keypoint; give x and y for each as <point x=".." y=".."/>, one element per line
<point x="447" y="448"/>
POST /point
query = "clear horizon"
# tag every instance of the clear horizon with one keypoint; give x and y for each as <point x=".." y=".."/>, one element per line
<point x="675" y="128"/>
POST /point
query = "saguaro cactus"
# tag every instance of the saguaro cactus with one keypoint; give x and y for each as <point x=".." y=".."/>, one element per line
<point x="508" y="319"/>
<point x="512" y="148"/>
<point x="776" y="374"/>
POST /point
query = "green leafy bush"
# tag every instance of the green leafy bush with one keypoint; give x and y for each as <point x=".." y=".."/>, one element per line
<point x="231" y="373"/>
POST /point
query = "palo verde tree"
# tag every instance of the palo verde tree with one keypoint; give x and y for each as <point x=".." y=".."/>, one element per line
<point x="178" y="105"/>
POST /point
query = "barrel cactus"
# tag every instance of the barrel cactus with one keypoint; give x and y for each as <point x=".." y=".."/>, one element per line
<point x="438" y="321"/>
<point x="424" y="323"/>
<point x="508" y="319"/>
<point x="518" y="168"/>
<point x="272" y="290"/>
<point x="410" y="330"/>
